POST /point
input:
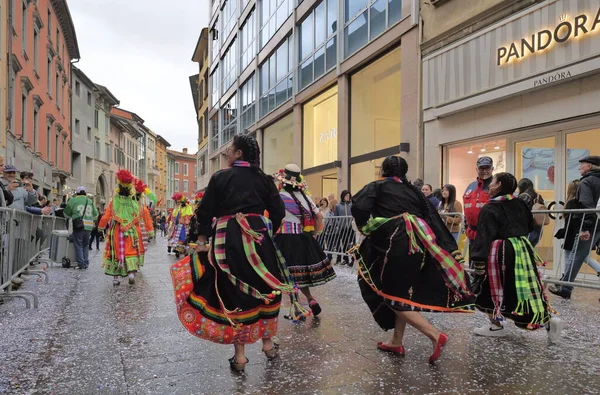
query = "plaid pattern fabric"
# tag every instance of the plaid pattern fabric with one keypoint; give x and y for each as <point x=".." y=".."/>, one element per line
<point x="452" y="272"/>
<point x="496" y="286"/>
<point x="249" y="237"/>
<point x="144" y="233"/>
<point x="529" y="293"/>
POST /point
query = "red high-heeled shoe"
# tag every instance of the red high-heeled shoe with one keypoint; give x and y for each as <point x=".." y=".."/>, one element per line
<point x="441" y="342"/>
<point x="398" y="350"/>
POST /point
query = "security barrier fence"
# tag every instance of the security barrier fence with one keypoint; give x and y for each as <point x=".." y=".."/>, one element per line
<point x="25" y="241"/>
<point x="559" y="238"/>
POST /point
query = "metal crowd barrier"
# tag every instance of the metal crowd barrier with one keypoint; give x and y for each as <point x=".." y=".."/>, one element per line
<point x="338" y="237"/>
<point x="566" y="267"/>
<point x="25" y="240"/>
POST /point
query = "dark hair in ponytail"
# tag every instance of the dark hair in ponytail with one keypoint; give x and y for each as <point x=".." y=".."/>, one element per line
<point x="508" y="183"/>
<point x="395" y="166"/>
<point x="250" y="152"/>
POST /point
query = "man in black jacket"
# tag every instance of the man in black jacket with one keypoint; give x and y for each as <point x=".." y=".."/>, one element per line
<point x="588" y="196"/>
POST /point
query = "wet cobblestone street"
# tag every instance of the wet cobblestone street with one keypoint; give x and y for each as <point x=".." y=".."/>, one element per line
<point x="89" y="337"/>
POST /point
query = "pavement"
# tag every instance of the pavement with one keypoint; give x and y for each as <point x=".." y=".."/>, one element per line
<point x="88" y="337"/>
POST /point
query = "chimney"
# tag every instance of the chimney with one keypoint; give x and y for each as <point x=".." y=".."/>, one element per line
<point x="185" y="150"/>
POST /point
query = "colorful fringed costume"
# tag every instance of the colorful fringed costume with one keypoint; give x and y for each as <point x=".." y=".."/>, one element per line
<point x="512" y="287"/>
<point x="182" y="216"/>
<point x="123" y="245"/>
<point x="408" y="261"/>
<point x="233" y="293"/>
<point x="304" y="257"/>
<point x="145" y="226"/>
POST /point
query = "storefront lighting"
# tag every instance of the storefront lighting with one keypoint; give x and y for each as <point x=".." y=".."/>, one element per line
<point x="482" y="150"/>
<point x="497" y="147"/>
<point x="470" y="151"/>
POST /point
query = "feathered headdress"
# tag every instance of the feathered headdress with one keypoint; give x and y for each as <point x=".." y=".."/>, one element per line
<point x="199" y="196"/>
<point x="124" y="177"/>
<point x="140" y="186"/>
<point x="178" y="197"/>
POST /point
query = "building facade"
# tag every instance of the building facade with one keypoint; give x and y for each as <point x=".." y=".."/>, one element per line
<point x="152" y="172"/>
<point x="104" y="101"/>
<point x="171" y="179"/>
<point x="82" y="149"/>
<point x="41" y="46"/>
<point x="184" y="173"/>
<point x="331" y="85"/>
<point x="4" y="23"/>
<point x="124" y="135"/>
<point x="522" y="89"/>
<point x="161" y="159"/>
<point x="200" y="94"/>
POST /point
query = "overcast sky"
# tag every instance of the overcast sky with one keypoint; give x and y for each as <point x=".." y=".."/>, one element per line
<point x="141" y="50"/>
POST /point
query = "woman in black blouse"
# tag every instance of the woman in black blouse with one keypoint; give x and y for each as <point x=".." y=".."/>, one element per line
<point x="409" y="261"/>
<point x="230" y="293"/>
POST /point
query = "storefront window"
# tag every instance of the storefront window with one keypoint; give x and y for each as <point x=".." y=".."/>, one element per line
<point x="320" y="129"/>
<point x="375" y="106"/>
<point x="323" y="184"/>
<point x="462" y="162"/>
<point x="536" y="160"/>
<point x="278" y="145"/>
<point x="579" y="145"/>
<point x="363" y="173"/>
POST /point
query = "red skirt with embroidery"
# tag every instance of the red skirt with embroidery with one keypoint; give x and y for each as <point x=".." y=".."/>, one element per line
<point x="211" y="307"/>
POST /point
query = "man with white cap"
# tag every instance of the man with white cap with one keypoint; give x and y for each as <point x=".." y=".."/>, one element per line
<point x="82" y="212"/>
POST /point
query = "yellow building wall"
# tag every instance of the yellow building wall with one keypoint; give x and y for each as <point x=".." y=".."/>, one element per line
<point x="161" y="161"/>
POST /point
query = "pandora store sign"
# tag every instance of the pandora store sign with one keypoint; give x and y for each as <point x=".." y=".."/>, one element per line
<point x="567" y="29"/>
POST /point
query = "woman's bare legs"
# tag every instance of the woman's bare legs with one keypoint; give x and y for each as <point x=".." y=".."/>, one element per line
<point x="267" y="343"/>
<point x="306" y="292"/>
<point x="417" y="321"/>
<point x="240" y="353"/>
<point x="398" y="335"/>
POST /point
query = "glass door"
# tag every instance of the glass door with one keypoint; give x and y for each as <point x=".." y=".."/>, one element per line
<point x="538" y="160"/>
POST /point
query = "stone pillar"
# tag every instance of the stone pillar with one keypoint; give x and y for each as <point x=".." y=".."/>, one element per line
<point x="343" y="132"/>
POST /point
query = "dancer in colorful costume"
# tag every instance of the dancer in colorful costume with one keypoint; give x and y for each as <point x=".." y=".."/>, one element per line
<point x="145" y="225"/>
<point x="173" y="221"/>
<point x="306" y="261"/>
<point x="192" y="235"/>
<point x="506" y="281"/>
<point x="180" y="222"/>
<point x="409" y="261"/>
<point x="231" y="292"/>
<point x="123" y="244"/>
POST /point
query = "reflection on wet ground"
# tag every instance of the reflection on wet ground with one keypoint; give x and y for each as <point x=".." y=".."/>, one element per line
<point x="89" y="337"/>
